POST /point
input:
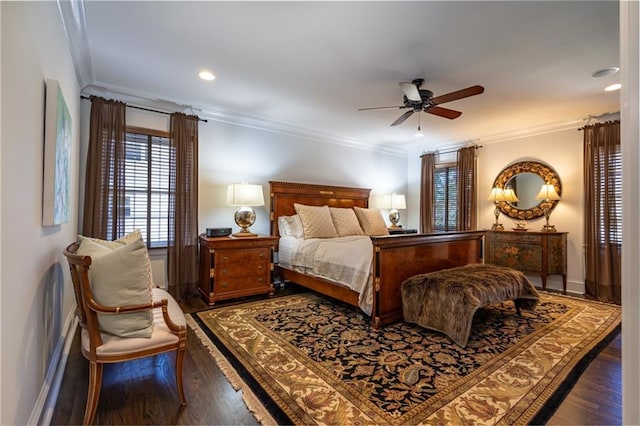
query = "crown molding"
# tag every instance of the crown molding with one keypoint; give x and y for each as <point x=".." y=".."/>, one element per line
<point x="141" y="99"/>
<point x="75" y="28"/>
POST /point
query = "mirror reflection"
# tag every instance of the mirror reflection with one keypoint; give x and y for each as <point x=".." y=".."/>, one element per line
<point x="526" y="186"/>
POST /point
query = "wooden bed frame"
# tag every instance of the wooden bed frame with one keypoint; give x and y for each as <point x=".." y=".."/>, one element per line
<point x="395" y="257"/>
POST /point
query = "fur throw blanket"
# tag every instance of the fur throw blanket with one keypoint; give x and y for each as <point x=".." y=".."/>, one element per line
<point x="446" y="300"/>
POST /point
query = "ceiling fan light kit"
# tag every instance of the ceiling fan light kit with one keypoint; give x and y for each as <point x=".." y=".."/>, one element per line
<point x="422" y="100"/>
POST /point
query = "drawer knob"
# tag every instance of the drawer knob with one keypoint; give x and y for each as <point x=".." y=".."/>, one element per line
<point x="261" y="254"/>
<point x="225" y="257"/>
<point x="260" y="267"/>
<point x="225" y="285"/>
<point x="260" y="280"/>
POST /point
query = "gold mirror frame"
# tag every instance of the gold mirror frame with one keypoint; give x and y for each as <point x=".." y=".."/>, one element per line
<point x="545" y="172"/>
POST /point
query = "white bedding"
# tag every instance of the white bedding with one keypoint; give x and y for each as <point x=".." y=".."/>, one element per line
<point x="344" y="260"/>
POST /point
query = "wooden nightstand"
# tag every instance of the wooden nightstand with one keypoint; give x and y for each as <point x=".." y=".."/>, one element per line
<point x="235" y="267"/>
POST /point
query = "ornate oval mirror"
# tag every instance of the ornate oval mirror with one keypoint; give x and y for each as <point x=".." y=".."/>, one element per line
<point x="526" y="178"/>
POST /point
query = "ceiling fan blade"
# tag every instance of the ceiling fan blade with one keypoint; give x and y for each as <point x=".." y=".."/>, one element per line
<point x="443" y="112"/>
<point x="411" y="91"/>
<point x="385" y="107"/>
<point x="459" y="94"/>
<point x="403" y="117"/>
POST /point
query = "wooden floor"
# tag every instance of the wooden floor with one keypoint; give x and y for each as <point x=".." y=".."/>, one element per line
<point x="144" y="391"/>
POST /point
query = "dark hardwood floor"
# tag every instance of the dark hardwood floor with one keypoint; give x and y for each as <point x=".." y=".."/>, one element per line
<point x="144" y="391"/>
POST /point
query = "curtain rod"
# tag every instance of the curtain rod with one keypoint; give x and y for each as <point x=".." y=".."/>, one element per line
<point x="447" y="151"/>
<point x="147" y="109"/>
<point x="602" y="123"/>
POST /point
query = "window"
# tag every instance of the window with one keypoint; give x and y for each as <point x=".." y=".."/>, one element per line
<point x="146" y="204"/>
<point x="445" y="193"/>
<point x="610" y="203"/>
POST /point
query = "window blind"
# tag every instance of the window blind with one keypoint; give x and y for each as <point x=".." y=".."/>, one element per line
<point x="445" y="198"/>
<point x="147" y="164"/>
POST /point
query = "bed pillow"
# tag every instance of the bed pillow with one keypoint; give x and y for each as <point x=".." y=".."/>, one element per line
<point x="316" y="221"/>
<point x="290" y="226"/>
<point x="120" y="277"/>
<point x="345" y="222"/>
<point x="371" y="221"/>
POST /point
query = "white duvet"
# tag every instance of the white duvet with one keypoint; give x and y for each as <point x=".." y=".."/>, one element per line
<point x="343" y="260"/>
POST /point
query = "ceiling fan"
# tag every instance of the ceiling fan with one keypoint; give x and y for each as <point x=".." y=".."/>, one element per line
<point x="422" y="100"/>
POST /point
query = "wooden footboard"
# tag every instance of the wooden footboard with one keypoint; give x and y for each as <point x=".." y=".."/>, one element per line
<point x="397" y="258"/>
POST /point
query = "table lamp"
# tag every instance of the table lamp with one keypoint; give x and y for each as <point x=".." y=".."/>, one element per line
<point x="497" y="195"/>
<point x="394" y="202"/>
<point x="245" y="196"/>
<point x="547" y="193"/>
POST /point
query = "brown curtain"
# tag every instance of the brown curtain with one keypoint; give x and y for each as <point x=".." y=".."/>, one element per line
<point x="603" y="221"/>
<point x="182" y="250"/>
<point x="466" y="164"/>
<point x="426" y="193"/>
<point x="103" y="215"/>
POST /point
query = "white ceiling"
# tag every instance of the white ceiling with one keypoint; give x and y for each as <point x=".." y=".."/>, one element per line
<point x="307" y="67"/>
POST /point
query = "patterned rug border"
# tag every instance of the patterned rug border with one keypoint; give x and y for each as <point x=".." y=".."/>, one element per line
<point x="268" y="412"/>
<point x="255" y="406"/>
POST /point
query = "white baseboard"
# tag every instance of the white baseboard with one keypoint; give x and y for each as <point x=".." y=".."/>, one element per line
<point x="46" y="402"/>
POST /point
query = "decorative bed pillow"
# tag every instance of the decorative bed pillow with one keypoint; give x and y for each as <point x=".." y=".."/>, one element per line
<point x="371" y="221"/>
<point x="112" y="245"/>
<point x="316" y="221"/>
<point x="290" y="226"/>
<point x="120" y="277"/>
<point x="345" y="221"/>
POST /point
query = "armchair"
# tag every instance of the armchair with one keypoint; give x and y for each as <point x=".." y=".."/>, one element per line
<point x="169" y="331"/>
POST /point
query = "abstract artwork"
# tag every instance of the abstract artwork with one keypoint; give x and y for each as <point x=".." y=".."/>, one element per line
<point x="57" y="152"/>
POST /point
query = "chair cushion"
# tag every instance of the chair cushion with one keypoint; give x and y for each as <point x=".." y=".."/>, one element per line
<point x="161" y="336"/>
<point x="120" y="277"/>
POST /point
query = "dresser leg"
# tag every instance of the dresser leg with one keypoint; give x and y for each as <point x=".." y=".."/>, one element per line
<point x="564" y="283"/>
<point x="544" y="282"/>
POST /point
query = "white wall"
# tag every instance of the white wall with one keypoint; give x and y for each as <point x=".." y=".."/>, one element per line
<point x="231" y="153"/>
<point x="562" y="150"/>
<point x="36" y="288"/>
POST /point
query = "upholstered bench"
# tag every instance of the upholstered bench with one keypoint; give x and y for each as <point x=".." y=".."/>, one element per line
<point x="446" y="300"/>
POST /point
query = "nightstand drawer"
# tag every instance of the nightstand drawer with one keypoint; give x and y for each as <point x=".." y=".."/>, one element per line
<point x="241" y="255"/>
<point x="240" y="270"/>
<point x="231" y="283"/>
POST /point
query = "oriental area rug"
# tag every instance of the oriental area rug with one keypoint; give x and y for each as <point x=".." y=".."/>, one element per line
<point x="305" y="359"/>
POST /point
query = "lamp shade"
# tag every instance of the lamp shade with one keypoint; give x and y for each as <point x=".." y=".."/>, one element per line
<point x="394" y="201"/>
<point x="547" y="192"/>
<point x="510" y="195"/>
<point x="244" y="194"/>
<point x="496" y="195"/>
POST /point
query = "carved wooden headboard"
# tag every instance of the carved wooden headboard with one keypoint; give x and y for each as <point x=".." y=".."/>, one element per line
<point x="284" y="194"/>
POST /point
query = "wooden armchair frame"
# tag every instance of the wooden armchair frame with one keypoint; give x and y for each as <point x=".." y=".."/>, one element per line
<point x="87" y="312"/>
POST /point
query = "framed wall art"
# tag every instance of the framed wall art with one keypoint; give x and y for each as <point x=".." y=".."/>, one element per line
<point x="57" y="155"/>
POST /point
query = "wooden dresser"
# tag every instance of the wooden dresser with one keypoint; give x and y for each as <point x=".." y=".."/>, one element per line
<point x="235" y="267"/>
<point x="543" y="253"/>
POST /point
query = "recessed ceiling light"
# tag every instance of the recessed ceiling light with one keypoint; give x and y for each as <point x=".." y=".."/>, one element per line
<point x="613" y="87"/>
<point x="605" y="71"/>
<point x="206" y="75"/>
